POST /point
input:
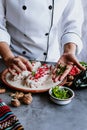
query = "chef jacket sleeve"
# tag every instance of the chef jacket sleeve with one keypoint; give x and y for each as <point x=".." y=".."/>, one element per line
<point x="4" y="35"/>
<point x="72" y="24"/>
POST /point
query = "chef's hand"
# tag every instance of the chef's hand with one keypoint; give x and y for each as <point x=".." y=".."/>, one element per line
<point x="17" y="64"/>
<point x="64" y="65"/>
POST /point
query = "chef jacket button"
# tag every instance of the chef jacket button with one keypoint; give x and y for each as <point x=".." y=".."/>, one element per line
<point x="45" y="53"/>
<point x="46" y="34"/>
<point x="25" y="35"/>
<point x="50" y="7"/>
<point x="24" y="7"/>
<point x="24" y="52"/>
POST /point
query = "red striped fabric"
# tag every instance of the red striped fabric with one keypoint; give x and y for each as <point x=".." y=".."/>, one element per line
<point x="7" y="118"/>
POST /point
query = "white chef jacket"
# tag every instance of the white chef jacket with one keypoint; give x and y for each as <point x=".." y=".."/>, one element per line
<point x="38" y="29"/>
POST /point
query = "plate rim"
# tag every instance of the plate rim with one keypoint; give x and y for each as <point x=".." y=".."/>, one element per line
<point x="3" y="78"/>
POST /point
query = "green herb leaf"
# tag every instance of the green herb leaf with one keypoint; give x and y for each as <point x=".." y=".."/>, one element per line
<point x="60" y="93"/>
<point x="33" y="73"/>
<point x="83" y="63"/>
<point x="60" y="70"/>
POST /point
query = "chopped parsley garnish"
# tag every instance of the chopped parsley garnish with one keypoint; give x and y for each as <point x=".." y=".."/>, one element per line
<point x="33" y="73"/>
<point x="60" y="70"/>
<point x="83" y="63"/>
<point x="60" y="93"/>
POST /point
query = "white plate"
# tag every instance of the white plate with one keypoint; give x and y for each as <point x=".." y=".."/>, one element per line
<point x="16" y="85"/>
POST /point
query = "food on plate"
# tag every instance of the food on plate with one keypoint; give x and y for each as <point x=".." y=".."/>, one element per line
<point x="38" y="77"/>
<point x="19" y="76"/>
<point x="35" y="65"/>
<point x="24" y="74"/>
<point x="39" y="80"/>
<point x="60" y="93"/>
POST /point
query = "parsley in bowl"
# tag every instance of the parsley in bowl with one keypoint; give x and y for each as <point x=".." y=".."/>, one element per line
<point x="61" y="95"/>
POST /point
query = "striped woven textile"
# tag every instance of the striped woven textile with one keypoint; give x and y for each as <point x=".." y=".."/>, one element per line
<point x="8" y="121"/>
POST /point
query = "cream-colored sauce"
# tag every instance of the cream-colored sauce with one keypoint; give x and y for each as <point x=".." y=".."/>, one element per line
<point x="19" y="83"/>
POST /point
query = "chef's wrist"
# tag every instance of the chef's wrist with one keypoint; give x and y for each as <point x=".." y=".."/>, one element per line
<point x="70" y="48"/>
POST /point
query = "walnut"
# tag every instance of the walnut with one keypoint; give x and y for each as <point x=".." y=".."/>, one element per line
<point x="68" y="83"/>
<point x="17" y="95"/>
<point x="12" y="94"/>
<point x="27" y="98"/>
<point x="2" y="90"/>
<point x="15" y="102"/>
<point x="70" y="78"/>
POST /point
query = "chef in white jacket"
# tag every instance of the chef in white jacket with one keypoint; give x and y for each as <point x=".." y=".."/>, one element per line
<point x="45" y="30"/>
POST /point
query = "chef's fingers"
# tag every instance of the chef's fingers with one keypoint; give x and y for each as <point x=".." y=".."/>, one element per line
<point x="13" y="72"/>
<point x="17" y="62"/>
<point x="66" y="72"/>
<point x="58" y="75"/>
<point x="26" y="62"/>
<point x="76" y="62"/>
